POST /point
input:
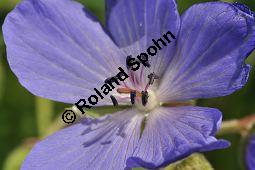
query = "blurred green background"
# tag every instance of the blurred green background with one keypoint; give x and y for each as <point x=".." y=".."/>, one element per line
<point x="24" y="117"/>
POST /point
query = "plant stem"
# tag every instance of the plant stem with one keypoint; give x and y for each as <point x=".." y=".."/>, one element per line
<point x="229" y="1"/>
<point x="228" y="127"/>
<point x="241" y="126"/>
<point x="2" y="80"/>
<point x="44" y="114"/>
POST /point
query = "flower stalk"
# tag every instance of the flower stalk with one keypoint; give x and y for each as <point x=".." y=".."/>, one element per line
<point x="44" y="114"/>
<point x="241" y="126"/>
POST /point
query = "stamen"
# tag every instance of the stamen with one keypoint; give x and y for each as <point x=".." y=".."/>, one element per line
<point x="128" y="91"/>
<point x="147" y="64"/>
<point x="147" y="86"/>
<point x="151" y="77"/>
<point x="132" y="96"/>
<point x="145" y="59"/>
<point x="127" y="61"/>
<point x="114" y="100"/>
<point x="145" y="97"/>
<point x="124" y="90"/>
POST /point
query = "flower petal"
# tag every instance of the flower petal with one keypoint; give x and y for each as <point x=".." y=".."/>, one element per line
<point x="58" y="50"/>
<point x="250" y="154"/>
<point x="131" y="20"/>
<point x="171" y="134"/>
<point x="109" y="4"/>
<point x="214" y="40"/>
<point x="103" y="143"/>
<point x="133" y="24"/>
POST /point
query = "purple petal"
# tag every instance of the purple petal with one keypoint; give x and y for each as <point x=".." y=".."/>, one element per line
<point x="133" y="24"/>
<point x="171" y="134"/>
<point x="109" y="4"/>
<point x="103" y="143"/>
<point x="214" y="40"/>
<point x="250" y="154"/>
<point x="130" y="20"/>
<point x="58" y="51"/>
<point x="244" y="8"/>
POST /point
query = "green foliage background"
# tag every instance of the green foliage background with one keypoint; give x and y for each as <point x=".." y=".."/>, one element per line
<point x="24" y="116"/>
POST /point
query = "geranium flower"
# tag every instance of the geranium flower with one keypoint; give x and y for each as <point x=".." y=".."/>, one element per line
<point x="250" y="154"/>
<point x="61" y="52"/>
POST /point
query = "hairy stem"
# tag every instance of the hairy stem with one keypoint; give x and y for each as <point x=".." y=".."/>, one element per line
<point x="241" y="126"/>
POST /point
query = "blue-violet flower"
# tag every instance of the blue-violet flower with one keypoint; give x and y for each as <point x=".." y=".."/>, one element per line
<point x="59" y="51"/>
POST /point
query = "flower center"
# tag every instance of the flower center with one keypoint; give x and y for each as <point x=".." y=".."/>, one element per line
<point x="152" y="102"/>
<point x="144" y="101"/>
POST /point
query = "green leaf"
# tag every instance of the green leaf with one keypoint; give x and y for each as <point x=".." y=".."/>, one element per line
<point x="194" y="162"/>
<point x="44" y="114"/>
<point x="16" y="157"/>
<point x="8" y="4"/>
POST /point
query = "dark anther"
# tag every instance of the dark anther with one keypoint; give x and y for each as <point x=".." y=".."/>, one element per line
<point x="145" y="59"/>
<point x="109" y="79"/>
<point x="147" y="64"/>
<point x="145" y="97"/>
<point x="132" y="96"/>
<point x="152" y="77"/>
<point x="128" y="59"/>
<point x="114" y="100"/>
